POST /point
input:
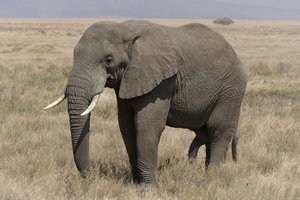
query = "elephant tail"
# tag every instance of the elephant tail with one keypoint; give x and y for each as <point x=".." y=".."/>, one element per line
<point x="234" y="147"/>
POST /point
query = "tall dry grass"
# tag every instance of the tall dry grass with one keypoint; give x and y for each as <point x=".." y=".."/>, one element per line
<point x="35" y="149"/>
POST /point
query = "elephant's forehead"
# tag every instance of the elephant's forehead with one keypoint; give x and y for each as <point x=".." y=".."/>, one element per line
<point x="102" y="32"/>
<point x="91" y="46"/>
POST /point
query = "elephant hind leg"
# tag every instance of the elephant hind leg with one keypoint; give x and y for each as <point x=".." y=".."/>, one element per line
<point x="217" y="149"/>
<point x="222" y="127"/>
<point x="199" y="140"/>
<point x="193" y="150"/>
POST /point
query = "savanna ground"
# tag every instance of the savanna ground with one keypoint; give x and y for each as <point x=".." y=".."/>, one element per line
<point x="35" y="146"/>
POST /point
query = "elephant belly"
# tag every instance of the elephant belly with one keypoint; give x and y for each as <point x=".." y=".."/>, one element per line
<point x="191" y="108"/>
<point x="185" y="119"/>
<point x="191" y="115"/>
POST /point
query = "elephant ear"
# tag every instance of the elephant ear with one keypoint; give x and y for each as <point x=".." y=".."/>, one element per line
<point x="154" y="57"/>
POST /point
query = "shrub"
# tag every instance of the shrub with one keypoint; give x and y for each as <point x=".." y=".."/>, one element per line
<point x="223" y="21"/>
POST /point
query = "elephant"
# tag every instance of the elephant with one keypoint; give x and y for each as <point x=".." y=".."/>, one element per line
<point x="184" y="77"/>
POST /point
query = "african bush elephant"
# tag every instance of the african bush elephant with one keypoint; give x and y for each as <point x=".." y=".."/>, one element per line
<point x="186" y="77"/>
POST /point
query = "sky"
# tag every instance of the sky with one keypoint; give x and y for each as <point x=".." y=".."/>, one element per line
<point x="205" y="9"/>
<point x="287" y="4"/>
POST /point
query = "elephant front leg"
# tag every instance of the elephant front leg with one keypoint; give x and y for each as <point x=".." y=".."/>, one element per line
<point x="127" y="128"/>
<point x="150" y="122"/>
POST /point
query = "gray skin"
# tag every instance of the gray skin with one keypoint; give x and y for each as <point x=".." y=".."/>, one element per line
<point x="185" y="77"/>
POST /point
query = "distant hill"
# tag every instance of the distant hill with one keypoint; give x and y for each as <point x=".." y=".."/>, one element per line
<point x="140" y="9"/>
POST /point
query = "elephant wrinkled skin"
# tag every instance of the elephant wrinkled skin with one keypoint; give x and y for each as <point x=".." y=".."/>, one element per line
<point x="186" y="77"/>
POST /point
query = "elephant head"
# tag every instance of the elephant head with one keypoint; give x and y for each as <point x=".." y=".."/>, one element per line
<point x="131" y="58"/>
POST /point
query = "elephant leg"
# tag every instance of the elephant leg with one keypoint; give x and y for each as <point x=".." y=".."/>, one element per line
<point x="222" y="126"/>
<point x="199" y="140"/>
<point x="150" y="121"/>
<point x="127" y="128"/>
<point x="218" y="145"/>
<point x="193" y="150"/>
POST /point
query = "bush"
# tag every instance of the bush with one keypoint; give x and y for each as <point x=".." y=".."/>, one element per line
<point x="223" y="21"/>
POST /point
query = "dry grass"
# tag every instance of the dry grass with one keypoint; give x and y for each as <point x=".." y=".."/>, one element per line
<point x="35" y="151"/>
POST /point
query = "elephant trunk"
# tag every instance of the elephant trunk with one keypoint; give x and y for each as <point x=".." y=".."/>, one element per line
<point x="80" y="127"/>
<point x="80" y="92"/>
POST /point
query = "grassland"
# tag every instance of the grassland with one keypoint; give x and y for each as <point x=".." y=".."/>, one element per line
<point x="35" y="149"/>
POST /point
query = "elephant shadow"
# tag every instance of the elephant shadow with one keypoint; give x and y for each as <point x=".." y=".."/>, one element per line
<point x="113" y="170"/>
<point x="170" y="162"/>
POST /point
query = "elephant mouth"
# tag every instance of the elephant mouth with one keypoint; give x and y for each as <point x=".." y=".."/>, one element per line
<point x="110" y="81"/>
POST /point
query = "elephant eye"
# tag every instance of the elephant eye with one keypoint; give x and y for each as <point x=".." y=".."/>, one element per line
<point x="108" y="60"/>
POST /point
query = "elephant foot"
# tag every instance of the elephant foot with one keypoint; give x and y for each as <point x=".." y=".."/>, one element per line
<point x="143" y="189"/>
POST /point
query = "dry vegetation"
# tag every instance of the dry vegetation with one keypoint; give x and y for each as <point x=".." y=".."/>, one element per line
<point x="35" y="152"/>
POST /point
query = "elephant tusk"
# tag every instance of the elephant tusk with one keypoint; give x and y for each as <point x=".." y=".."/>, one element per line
<point x="58" y="101"/>
<point x="92" y="105"/>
